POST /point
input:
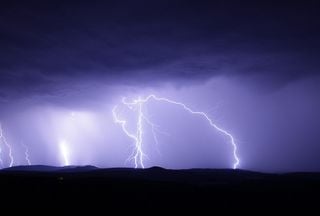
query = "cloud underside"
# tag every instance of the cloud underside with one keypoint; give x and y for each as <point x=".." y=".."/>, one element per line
<point x="55" y="43"/>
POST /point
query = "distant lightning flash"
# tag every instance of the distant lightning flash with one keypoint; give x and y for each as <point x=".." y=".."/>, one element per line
<point x="4" y="141"/>
<point x="137" y="105"/>
<point x="65" y="153"/>
<point x="26" y="154"/>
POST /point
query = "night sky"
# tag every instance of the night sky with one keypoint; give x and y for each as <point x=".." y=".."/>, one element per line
<point x="252" y="66"/>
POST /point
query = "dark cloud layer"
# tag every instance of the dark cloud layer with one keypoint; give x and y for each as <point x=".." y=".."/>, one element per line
<point x="65" y="64"/>
<point x="47" y="42"/>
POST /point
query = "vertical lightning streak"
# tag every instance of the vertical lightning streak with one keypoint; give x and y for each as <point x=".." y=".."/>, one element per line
<point x="123" y="124"/>
<point x="1" y="161"/>
<point x="65" y="153"/>
<point x="139" y="155"/>
<point x="4" y="140"/>
<point x="154" y="131"/>
<point x="26" y="154"/>
<point x="137" y="103"/>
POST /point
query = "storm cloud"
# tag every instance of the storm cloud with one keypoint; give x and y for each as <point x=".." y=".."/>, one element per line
<point x="43" y="43"/>
<point x="252" y="66"/>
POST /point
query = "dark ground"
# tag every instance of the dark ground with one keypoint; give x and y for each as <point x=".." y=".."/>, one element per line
<point x="136" y="190"/>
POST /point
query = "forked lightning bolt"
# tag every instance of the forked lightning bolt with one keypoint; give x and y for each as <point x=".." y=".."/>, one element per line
<point x="137" y="137"/>
<point x="137" y="105"/>
<point x="4" y="141"/>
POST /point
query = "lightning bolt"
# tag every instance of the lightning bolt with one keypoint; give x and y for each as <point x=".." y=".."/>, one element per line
<point x="26" y="153"/>
<point x="137" y="105"/>
<point x="64" y="152"/>
<point x="4" y="141"/>
<point x="137" y="137"/>
<point x="154" y="130"/>
<point x="1" y="161"/>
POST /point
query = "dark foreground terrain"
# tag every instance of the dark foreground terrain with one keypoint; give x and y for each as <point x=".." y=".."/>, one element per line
<point x="136" y="190"/>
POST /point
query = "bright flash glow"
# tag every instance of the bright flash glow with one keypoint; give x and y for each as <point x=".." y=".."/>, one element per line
<point x="64" y="152"/>
<point x="8" y="146"/>
<point x="137" y="105"/>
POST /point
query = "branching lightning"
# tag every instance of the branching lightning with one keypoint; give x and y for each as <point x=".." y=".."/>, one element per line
<point x="8" y="146"/>
<point x="138" y="154"/>
<point x="137" y="105"/>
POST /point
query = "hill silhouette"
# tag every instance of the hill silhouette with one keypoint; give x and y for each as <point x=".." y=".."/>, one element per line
<point x="115" y="188"/>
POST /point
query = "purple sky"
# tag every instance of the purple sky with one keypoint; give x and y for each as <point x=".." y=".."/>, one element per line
<point x="253" y="68"/>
